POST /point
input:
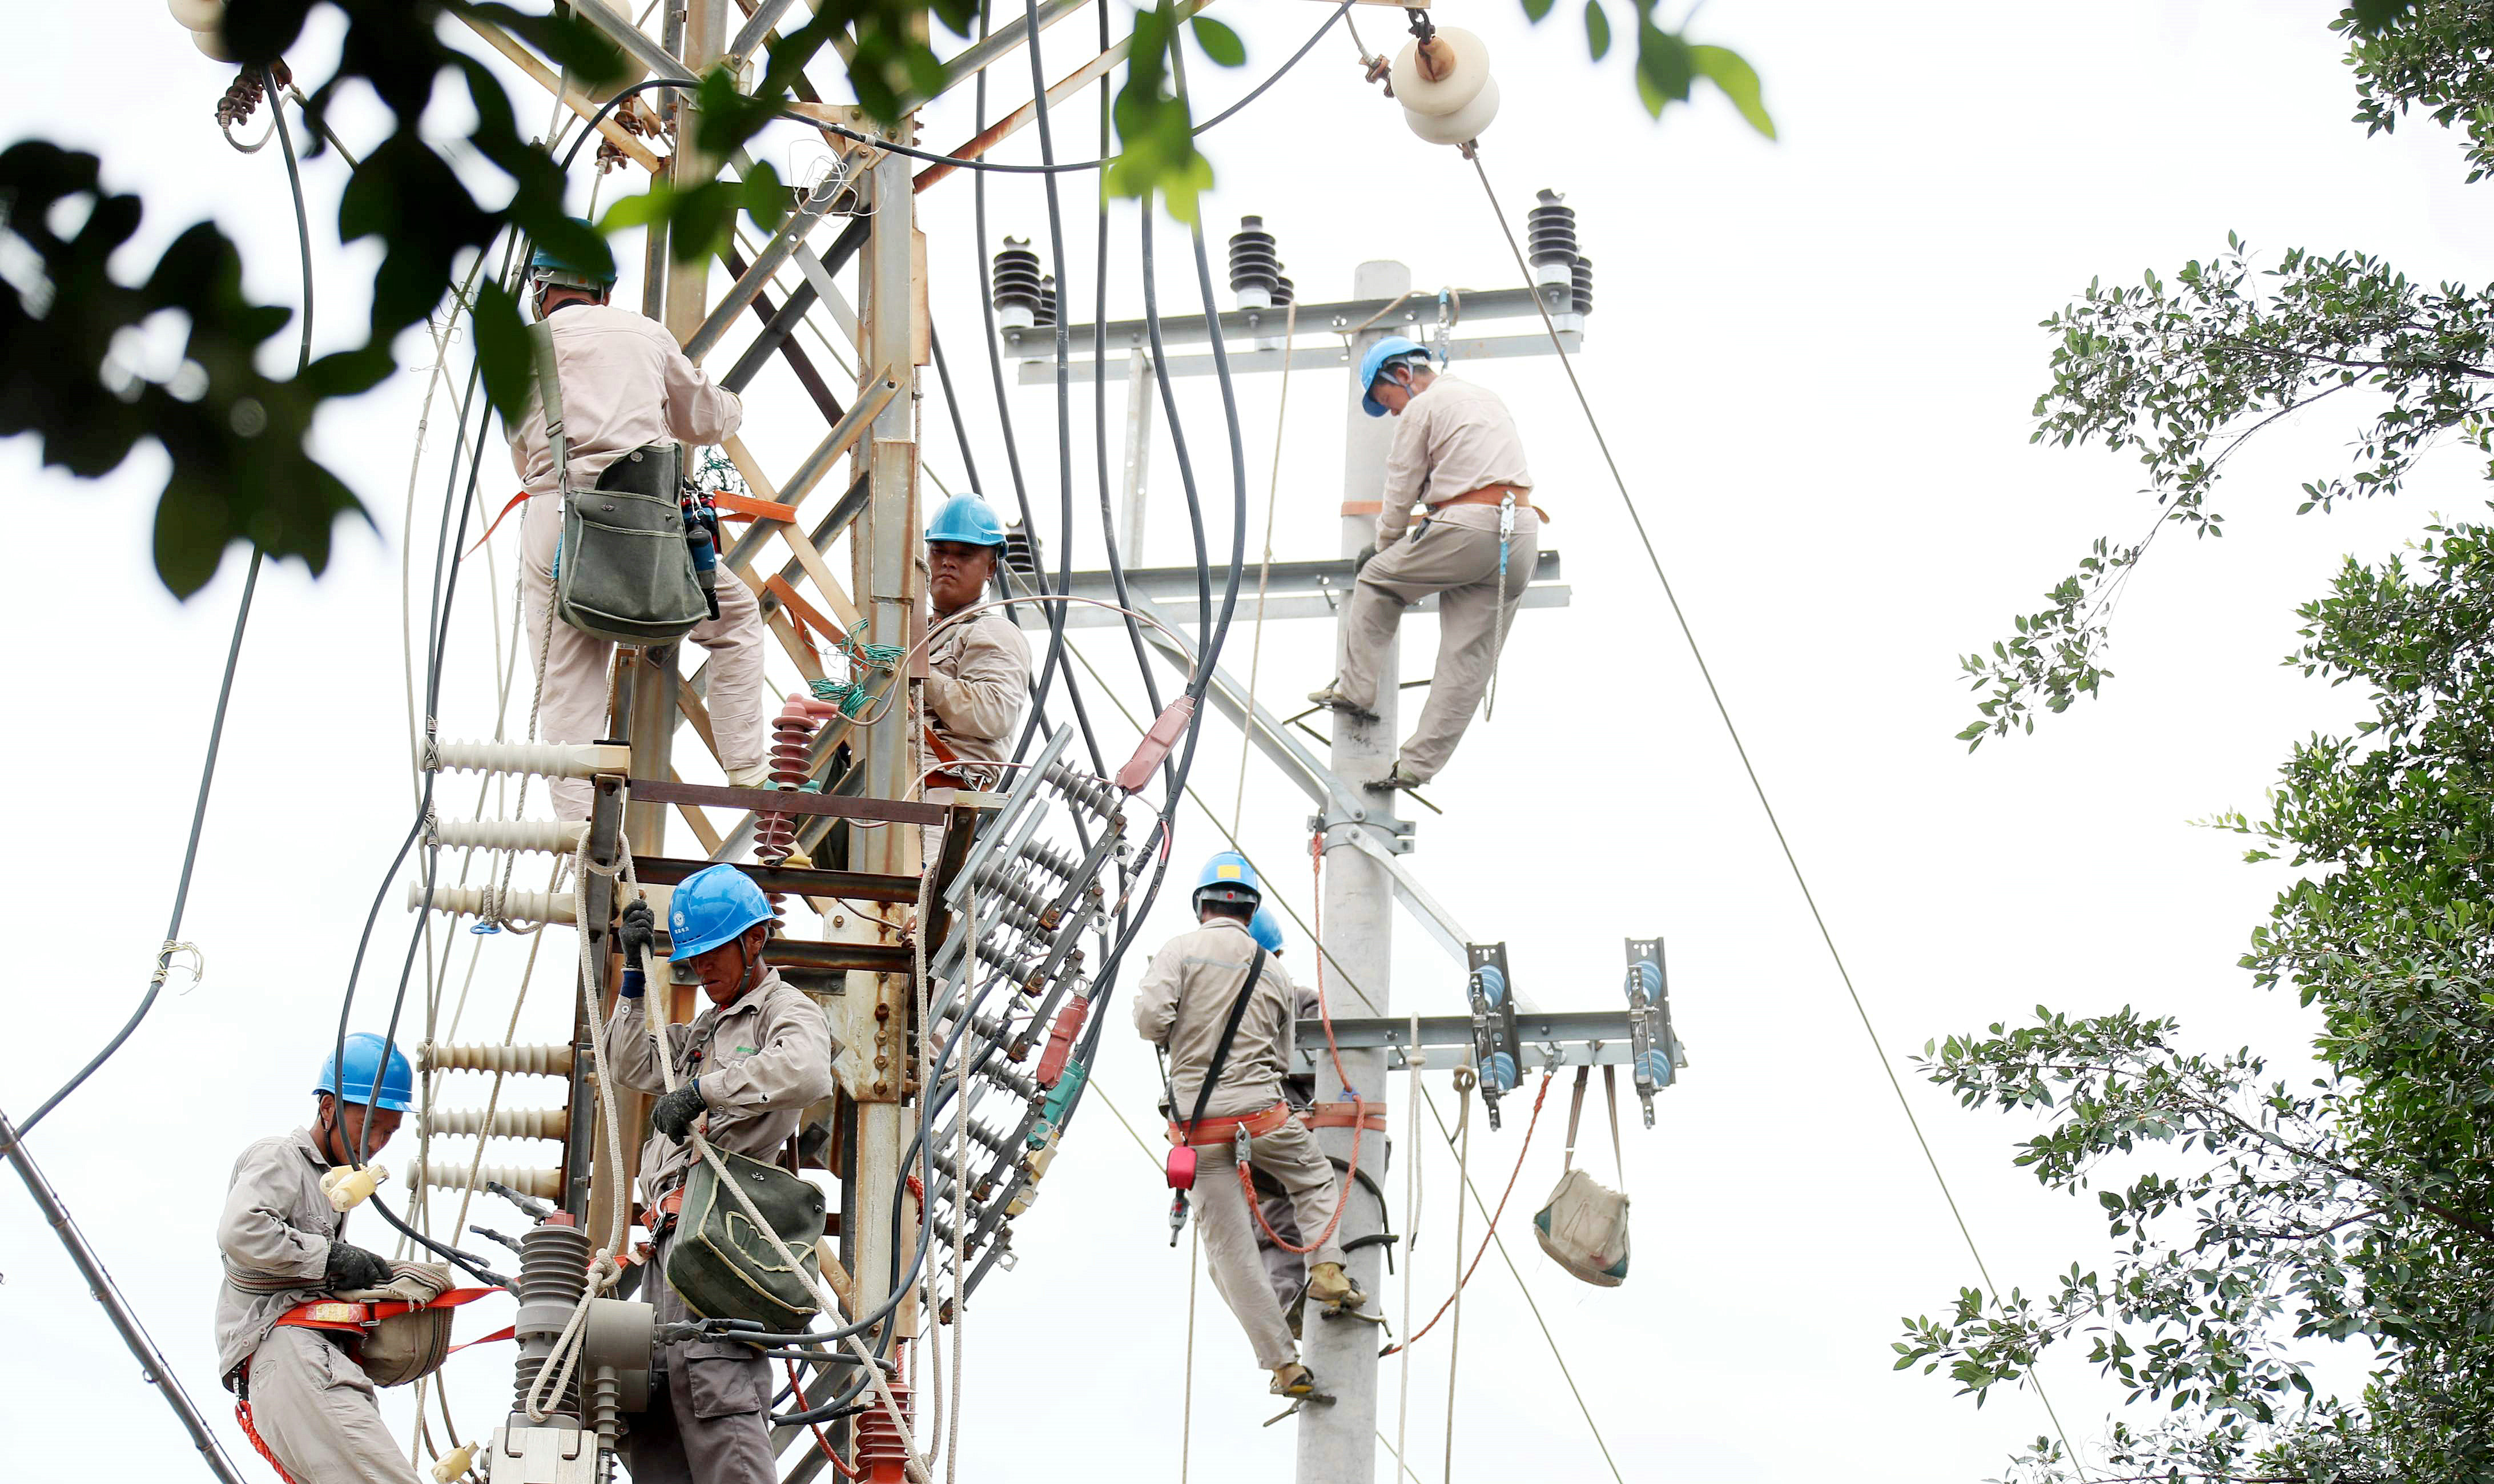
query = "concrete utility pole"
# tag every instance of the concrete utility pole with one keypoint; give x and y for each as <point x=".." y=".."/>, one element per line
<point x="1338" y="1443"/>
<point x="878" y="1065"/>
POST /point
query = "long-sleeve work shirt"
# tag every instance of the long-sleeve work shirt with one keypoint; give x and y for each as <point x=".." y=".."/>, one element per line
<point x="1183" y="1002"/>
<point x="762" y="1061"/>
<point x="978" y="680"/>
<point x="625" y="383"/>
<point x="1451" y="440"/>
<point x="276" y="1225"/>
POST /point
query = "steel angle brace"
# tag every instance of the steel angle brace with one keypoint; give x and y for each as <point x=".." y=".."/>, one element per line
<point x="1434" y="918"/>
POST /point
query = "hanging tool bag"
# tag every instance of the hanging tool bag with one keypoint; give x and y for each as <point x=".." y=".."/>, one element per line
<point x="624" y="571"/>
<point x="1179" y="1166"/>
<point x="725" y="1269"/>
<point x="400" y="1330"/>
<point x="1584" y="1224"/>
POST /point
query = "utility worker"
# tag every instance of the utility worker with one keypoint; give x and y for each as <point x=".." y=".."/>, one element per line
<point x="1184" y="1006"/>
<point x="1279" y="1231"/>
<point x="978" y="669"/>
<point x="624" y="384"/>
<point x="302" y="1399"/>
<point x="1456" y="451"/>
<point x="752" y="1063"/>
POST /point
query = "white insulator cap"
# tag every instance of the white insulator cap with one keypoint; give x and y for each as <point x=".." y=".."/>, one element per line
<point x="556" y="835"/>
<point x="1545" y="274"/>
<point x="512" y="906"/>
<point x="553" y="760"/>
<point x="507" y="1122"/>
<point x="1017" y="317"/>
<point x="551" y="1060"/>
<point x="1461" y="61"/>
<point x="452" y="1175"/>
<point x="198" y="15"/>
<point x="1464" y="125"/>
<point x="212" y="47"/>
<point x="1255" y="298"/>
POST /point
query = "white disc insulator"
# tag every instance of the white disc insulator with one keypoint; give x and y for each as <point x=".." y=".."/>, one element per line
<point x="1461" y="127"/>
<point x="513" y="907"/>
<point x="198" y="15"/>
<point x="1461" y="61"/>
<point x="212" y="47"/>
<point x="507" y="1122"/>
<point x="552" y="1060"/>
<point x="556" y="835"/>
<point x="553" y="760"/>
<point x="452" y="1175"/>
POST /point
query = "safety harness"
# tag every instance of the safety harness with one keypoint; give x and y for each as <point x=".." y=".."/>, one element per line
<point x="1199" y="1129"/>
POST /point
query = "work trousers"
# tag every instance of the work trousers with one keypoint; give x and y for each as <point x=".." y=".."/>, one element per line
<point x="1286" y="1270"/>
<point x="572" y="707"/>
<point x="707" y="1420"/>
<point x="1454" y="556"/>
<point x="1290" y="1156"/>
<point x="314" y="1408"/>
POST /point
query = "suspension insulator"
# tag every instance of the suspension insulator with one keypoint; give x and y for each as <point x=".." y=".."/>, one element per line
<point x="993" y="887"/>
<point x="1046" y="300"/>
<point x="1012" y="1082"/>
<point x="452" y="1175"/>
<point x="553" y="1060"/>
<point x="553" y="760"/>
<point x="792" y="764"/>
<point x="1443" y="75"/>
<point x="1001" y="1144"/>
<point x="1550" y="239"/>
<point x="1097" y="795"/>
<point x="511" y="906"/>
<point x="1022" y="548"/>
<point x="1580" y="286"/>
<point x="557" y="836"/>
<point x="1012" y="284"/>
<point x="1255" y="271"/>
<point x="1051" y="858"/>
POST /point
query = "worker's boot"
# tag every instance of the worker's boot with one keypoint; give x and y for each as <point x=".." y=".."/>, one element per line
<point x="1294" y="1380"/>
<point x="1399" y="776"/>
<point x="1332" y="698"/>
<point x="756" y="776"/>
<point x="1328" y="1285"/>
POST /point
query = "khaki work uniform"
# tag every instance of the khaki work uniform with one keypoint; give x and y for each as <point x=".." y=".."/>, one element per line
<point x="762" y="1061"/>
<point x="978" y="680"/>
<point x="1452" y="438"/>
<point x="1182" y="1006"/>
<point x="626" y="384"/>
<point x="1284" y="1269"/>
<point x="311" y="1404"/>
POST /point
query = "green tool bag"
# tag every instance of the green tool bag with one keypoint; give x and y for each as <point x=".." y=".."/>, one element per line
<point x="624" y="571"/>
<point x="723" y="1268"/>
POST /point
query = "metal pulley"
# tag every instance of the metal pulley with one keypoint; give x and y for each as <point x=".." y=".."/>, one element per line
<point x="1444" y="85"/>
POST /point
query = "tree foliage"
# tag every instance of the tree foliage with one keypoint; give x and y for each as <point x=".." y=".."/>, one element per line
<point x="2183" y="373"/>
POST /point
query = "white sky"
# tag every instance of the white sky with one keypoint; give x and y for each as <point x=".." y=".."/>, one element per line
<point x="1815" y="360"/>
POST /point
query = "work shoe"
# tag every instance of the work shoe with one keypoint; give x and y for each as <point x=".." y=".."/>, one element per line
<point x="1294" y="1380"/>
<point x="756" y="776"/>
<point x="1328" y="1285"/>
<point x="1399" y="776"/>
<point x="1332" y="698"/>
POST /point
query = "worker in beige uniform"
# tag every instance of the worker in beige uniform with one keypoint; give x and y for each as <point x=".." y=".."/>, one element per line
<point x="299" y="1392"/>
<point x="625" y="383"/>
<point x="978" y="668"/>
<point x="1456" y="451"/>
<point x="751" y="1064"/>
<point x="1214" y="985"/>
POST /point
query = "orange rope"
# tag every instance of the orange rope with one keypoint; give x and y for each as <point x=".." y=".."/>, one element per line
<point x="242" y="1415"/>
<point x="1483" y="1250"/>
<point x="1358" y="1103"/>
<point x="816" y="1429"/>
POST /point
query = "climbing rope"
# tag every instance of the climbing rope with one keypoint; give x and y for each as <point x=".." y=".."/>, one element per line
<point x="1358" y="1104"/>
<point x="1464" y="1082"/>
<point x="1265" y="567"/>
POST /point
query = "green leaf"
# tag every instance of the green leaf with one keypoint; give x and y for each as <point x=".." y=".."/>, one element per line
<point x="1739" y="80"/>
<point x="502" y="353"/>
<point x="1218" y="41"/>
<point x="766" y="200"/>
<point x="1664" y="69"/>
<point x="1598" y="30"/>
<point x="1534" y="10"/>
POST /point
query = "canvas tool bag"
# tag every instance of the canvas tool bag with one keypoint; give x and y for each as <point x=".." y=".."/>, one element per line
<point x="724" y="1268"/>
<point x="401" y="1330"/>
<point x="1584" y="1224"/>
<point x="624" y="571"/>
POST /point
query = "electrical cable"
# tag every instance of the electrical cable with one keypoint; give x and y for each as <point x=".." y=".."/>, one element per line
<point x="1757" y="787"/>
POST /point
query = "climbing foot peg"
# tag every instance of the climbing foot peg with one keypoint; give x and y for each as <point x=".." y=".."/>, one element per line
<point x="1334" y="699"/>
<point x="1294" y="1380"/>
<point x="1401" y="778"/>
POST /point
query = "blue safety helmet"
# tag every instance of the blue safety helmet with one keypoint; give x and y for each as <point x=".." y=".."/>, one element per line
<point x="369" y="1060"/>
<point x="967" y="520"/>
<point x="1393" y="348"/>
<point x="714" y="905"/>
<point x="1265" y="930"/>
<point x="1228" y="878"/>
<point x="546" y="267"/>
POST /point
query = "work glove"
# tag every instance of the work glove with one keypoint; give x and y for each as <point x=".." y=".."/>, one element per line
<point x="673" y="1114"/>
<point x="639" y="932"/>
<point x="351" y="1268"/>
<point x="1362" y="560"/>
